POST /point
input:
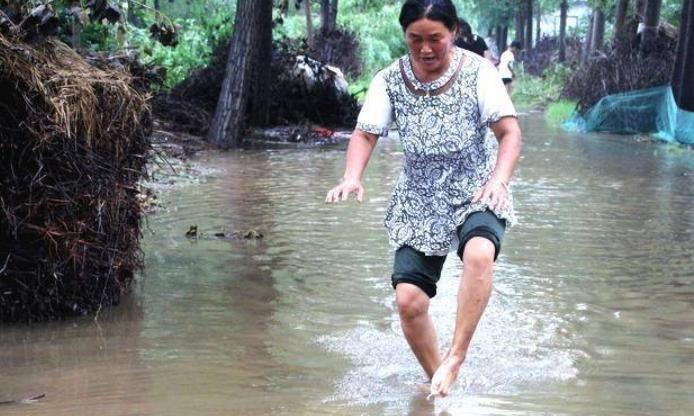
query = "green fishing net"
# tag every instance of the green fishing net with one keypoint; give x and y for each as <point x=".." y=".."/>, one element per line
<point x="650" y="111"/>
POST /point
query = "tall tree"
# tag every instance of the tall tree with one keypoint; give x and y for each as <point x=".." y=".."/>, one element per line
<point x="589" y="40"/>
<point x="598" y="38"/>
<point x="259" y="111"/>
<point x="76" y="38"/>
<point x="504" y="39"/>
<point x="538" y="20"/>
<point x="528" y="25"/>
<point x="328" y="15"/>
<point x="309" y="19"/>
<point x="563" y="12"/>
<point x="252" y="23"/>
<point x="620" y="17"/>
<point x="520" y="24"/>
<point x="683" y="75"/>
<point x="651" y="20"/>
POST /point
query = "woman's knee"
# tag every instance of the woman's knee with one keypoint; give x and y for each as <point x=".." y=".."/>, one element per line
<point x="478" y="257"/>
<point x="412" y="301"/>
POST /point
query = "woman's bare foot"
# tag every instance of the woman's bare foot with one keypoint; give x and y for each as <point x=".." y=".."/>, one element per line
<point x="446" y="375"/>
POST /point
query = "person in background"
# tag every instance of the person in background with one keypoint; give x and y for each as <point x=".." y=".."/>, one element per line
<point x="471" y="42"/>
<point x="506" y="61"/>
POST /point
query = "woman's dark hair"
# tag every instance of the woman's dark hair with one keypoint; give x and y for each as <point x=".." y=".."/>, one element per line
<point x="439" y="10"/>
<point x="516" y="44"/>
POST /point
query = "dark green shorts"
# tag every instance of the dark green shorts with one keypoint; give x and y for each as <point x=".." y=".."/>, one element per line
<point x="414" y="267"/>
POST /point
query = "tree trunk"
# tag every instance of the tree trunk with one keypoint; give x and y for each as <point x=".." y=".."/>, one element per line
<point x="251" y="24"/>
<point x="640" y="7"/>
<point x="328" y="15"/>
<point x="528" y="25"/>
<point x="260" y="98"/>
<point x="538" y="19"/>
<point x="564" y="9"/>
<point x="309" y="20"/>
<point x="156" y="5"/>
<point x="76" y="38"/>
<point x="651" y="20"/>
<point x="598" y="37"/>
<point x="589" y="40"/>
<point x="683" y="76"/>
<point x="520" y="24"/>
<point x="620" y="18"/>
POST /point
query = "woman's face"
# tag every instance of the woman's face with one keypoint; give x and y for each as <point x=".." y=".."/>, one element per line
<point x="429" y="43"/>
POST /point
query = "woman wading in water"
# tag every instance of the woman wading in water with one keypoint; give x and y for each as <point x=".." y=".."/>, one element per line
<point x="461" y="140"/>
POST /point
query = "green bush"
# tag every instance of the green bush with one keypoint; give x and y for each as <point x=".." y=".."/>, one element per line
<point x="531" y="91"/>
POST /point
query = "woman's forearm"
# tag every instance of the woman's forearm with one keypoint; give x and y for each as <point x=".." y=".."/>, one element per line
<point x="358" y="153"/>
<point x="508" y="134"/>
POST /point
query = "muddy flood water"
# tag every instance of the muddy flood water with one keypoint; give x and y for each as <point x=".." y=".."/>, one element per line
<point x="592" y="311"/>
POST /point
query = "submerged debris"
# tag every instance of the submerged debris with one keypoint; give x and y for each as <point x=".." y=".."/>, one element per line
<point x="249" y="234"/>
<point x="73" y="145"/>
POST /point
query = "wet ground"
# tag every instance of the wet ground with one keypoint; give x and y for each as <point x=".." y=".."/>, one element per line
<point x="592" y="311"/>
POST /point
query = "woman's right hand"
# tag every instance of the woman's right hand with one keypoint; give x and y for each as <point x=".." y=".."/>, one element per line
<point x="342" y="191"/>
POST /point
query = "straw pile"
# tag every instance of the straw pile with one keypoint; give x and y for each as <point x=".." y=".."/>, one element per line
<point x="73" y="140"/>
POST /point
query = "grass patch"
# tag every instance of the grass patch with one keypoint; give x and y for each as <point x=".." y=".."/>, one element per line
<point x="559" y="111"/>
<point x="532" y="91"/>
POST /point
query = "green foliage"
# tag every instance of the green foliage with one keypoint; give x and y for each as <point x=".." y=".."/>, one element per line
<point x="197" y="40"/>
<point x="530" y="91"/>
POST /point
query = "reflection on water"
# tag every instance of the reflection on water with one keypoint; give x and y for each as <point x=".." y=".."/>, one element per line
<point x="592" y="311"/>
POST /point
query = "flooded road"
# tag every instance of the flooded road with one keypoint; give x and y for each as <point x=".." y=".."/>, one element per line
<point x="592" y="310"/>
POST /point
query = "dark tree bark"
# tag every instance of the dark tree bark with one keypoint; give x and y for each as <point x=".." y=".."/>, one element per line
<point x="309" y="19"/>
<point x="520" y="24"/>
<point x="528" y="25"/>
<point x="538" y="20"/>
<point x="651" y="20"/>
<point x="620" y="17"/>
<point x="683" y="75"/>
<point x="252" y="24"/>
<point x="589" y="40"/>
<point x="564" y="8"/>
<point x="328" y="15"/>
<point x="76" y="38"/>
<point x="598" y="38"/>
<point x="156" y="5"/>
<point x="260" y="97"/>
<point x="640" y="7"/>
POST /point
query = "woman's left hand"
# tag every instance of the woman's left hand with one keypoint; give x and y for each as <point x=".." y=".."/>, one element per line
<point x="494" y="193"/>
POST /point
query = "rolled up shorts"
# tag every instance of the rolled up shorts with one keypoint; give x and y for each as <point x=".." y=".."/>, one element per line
<point x="414" y="267"/>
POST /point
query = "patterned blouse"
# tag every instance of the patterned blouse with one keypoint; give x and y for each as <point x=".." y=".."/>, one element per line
<point x="450" y="151"/>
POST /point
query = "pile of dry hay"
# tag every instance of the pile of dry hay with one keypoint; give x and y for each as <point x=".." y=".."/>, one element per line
<point x="73" y="145"/>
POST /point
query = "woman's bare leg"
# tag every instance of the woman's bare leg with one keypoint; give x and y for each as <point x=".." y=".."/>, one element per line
<point x="473" y="295"/>
<point x="413" y="306"/>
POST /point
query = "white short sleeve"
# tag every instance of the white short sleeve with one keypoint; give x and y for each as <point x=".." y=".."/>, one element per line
<point x="377" y="112"/>
<point x="492" y="98"/>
